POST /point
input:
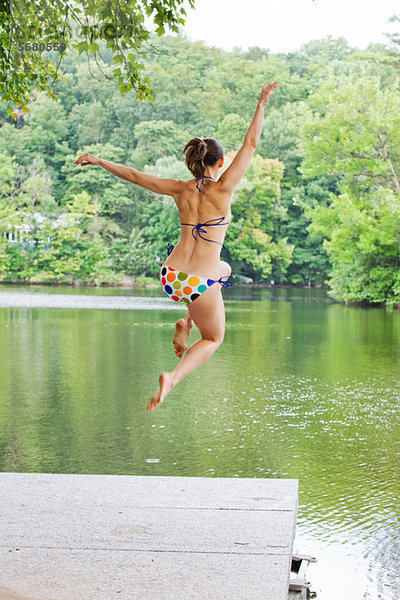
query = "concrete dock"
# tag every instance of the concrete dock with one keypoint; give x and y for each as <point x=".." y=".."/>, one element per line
<point x="99" y="537"/>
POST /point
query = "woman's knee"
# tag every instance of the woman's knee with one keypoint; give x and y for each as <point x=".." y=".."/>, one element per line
<point x="217" y="339"/>
<point x="220" y="338"/>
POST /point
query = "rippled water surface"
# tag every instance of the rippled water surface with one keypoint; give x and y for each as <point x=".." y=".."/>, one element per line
<point x="302" y="387"/>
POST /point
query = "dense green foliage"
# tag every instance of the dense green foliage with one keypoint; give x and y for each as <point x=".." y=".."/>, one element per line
<point x="319" y="204"/>
<point x="36" y="37"/>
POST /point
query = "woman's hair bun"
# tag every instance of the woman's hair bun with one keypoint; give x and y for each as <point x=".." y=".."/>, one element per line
<point x="199" y="153"/>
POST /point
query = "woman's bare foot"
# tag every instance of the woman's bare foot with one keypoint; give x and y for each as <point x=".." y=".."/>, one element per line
<point x="165" y="383"/>
<point x="182" y="332"/>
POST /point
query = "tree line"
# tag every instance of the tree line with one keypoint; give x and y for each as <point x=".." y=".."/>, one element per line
<point x="320" y="203"/>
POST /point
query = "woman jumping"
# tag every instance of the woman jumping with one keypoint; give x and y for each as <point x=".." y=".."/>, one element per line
<point x="193" y="266"/>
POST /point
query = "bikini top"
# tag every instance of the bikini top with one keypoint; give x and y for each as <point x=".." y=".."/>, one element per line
<point x="210" y="223"/>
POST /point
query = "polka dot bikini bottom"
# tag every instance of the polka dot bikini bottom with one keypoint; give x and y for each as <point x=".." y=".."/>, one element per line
<point x="184" y="287"/>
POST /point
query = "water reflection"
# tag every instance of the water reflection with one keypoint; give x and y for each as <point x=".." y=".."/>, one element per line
<point x="302" y="387"/>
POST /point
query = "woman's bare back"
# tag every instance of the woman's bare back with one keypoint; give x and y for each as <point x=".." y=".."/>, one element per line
<point x="193" y="253"/>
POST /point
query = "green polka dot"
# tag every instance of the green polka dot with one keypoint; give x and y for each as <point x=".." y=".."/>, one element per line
<point x="182" y="276"/>
<point x="201" y="288"/>
<point x="185" y="300"/>
<point x="176" y="285"/>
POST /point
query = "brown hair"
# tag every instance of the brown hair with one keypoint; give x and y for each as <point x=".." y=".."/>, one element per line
<point x="201" y="153"/>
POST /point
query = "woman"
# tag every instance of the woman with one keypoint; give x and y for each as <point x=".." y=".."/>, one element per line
<point x="193" y="269"/>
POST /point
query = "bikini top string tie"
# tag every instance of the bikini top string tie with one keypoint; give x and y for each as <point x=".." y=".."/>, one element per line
<point x="200" y="230"/>
<point x="202" y="182"/>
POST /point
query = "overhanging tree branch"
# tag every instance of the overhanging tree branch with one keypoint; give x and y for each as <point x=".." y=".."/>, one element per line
<point x="29" y="31"/>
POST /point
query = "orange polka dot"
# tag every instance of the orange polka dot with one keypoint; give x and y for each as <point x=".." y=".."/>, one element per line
<point x="178" y="293"/>
<point x="187" y="290"/>
<point x="193" y="281"/>
<point x="171" y="276"/>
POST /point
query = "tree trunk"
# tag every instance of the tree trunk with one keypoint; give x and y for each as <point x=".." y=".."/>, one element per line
<point x="385" y="155"/>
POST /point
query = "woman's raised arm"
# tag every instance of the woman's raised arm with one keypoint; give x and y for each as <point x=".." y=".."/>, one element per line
<point x="233" y="174"/>
<point x="168" y="187"/>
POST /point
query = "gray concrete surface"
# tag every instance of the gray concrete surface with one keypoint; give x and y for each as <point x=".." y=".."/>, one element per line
<point x="84" y="537"/>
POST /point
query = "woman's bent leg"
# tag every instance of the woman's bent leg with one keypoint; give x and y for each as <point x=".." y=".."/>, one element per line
<point x="182" y="333"/>
<point x="208" y="314"/>
<point x="196" y="355"/>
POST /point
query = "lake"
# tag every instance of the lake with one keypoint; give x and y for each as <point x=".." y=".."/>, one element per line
<point x="302" y="387"/>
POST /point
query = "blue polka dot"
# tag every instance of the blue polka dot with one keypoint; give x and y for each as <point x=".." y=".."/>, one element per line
<point x="210" y="281"/>
<point x="201" y="288"/>
<point x="168" y="289"/>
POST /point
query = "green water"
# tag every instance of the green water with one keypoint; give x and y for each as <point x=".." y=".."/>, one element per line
<point x="302" y="387"/>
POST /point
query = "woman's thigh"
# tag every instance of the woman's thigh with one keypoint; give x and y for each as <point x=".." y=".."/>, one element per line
<point x="208" y="313"/>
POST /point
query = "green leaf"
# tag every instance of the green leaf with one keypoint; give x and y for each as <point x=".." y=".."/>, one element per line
<point x="94" y="48"/>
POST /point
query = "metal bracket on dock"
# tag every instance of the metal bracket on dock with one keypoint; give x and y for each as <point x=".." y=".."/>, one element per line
<point x="299" y="566"/>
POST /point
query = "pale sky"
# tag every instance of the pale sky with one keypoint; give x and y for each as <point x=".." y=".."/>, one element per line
<point x="283" y="25"/>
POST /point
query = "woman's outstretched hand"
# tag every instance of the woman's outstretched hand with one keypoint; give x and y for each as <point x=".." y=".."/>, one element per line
<point x="265" y="94"/>
<point x="87" y="159"/>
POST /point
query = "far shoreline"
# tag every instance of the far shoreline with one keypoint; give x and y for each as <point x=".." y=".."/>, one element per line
<point x="141" y="285"/>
